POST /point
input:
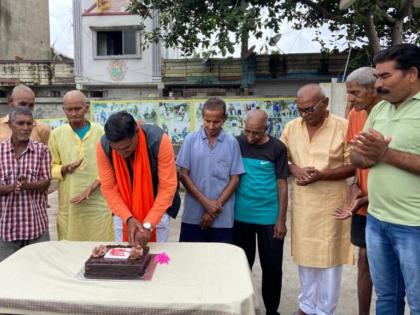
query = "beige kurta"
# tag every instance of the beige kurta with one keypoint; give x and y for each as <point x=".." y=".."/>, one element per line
<point x="318" y="239"/>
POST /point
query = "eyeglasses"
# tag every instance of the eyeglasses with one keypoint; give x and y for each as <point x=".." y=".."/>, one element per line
<point x="311" y="109"/>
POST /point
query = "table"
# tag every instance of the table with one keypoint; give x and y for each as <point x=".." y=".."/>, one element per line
<point x="201" y="278"/>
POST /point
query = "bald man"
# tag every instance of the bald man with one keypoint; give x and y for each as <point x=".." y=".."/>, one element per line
<point x="83" y="214"/>
<point x="23" y="96"/>
<point x="319" y="161"/>
<point x="261" y="204"/>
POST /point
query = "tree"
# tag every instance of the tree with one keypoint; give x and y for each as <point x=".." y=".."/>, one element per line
<point x="218" y="25"/>
<point x="375" y="23"/>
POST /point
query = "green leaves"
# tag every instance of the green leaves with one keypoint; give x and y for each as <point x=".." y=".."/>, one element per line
<point x="220" y="25"/>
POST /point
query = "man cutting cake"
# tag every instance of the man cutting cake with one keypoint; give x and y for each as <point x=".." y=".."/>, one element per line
<point x="137" y="172"/>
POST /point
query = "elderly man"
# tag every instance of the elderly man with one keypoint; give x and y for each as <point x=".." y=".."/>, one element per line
<point x="25" y="177"/>
<point x="23" y="96"/>
<point x="83" y="214"/>
<point x="319" y="161"/>
<point x="362" y="95"/>
<point x="138" y="175"/>
<point x="261" y="204"/>
<point x="390" y="146"/>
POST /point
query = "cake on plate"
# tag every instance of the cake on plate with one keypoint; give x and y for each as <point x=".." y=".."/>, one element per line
<point x="120" y="262"/>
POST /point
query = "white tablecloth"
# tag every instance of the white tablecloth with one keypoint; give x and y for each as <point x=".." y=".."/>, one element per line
<point x="201" y="278"/>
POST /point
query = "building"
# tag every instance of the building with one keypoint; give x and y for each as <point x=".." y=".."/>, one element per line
<point x="110" y="59"/>
<point x="26" y="57"/>
<point x="32" y="30"/>
<point x="266" y="75"/>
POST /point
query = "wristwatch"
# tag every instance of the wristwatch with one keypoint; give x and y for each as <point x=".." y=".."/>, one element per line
<point x="148" y="226"/>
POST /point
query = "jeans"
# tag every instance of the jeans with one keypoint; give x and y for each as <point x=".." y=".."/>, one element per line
<point x="270" y="250"/>
<point x="394" y="261"/>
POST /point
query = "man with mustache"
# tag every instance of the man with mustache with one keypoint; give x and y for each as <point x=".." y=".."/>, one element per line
<point x="390" y="147"/>
<point x="24" y="179"/>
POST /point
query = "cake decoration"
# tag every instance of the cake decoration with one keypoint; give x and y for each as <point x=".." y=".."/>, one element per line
<point x="162" y="258"/>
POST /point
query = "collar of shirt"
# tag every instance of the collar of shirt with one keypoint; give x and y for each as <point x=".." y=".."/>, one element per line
<point x="415" y="96"/>
<point x="219" y="138"/>
<point x="303" y="124"/>
<point x="9" y="147"/>
<point x="402" y="105"/>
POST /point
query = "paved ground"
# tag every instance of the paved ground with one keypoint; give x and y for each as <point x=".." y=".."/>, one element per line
<point x="347" y="304"/>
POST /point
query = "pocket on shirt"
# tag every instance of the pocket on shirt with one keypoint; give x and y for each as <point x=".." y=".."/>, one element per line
<point x="222" y="170"/>
<point x="30" y="175"/>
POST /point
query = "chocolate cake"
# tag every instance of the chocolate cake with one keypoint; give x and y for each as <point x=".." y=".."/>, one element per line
<point x="117" y="262"/>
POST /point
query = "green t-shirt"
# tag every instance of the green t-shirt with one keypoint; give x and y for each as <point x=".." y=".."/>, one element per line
<point x="394" y="194"/>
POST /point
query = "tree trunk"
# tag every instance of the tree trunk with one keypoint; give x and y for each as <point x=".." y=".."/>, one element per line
<point x="244" y="64"/>
<point x="372" y="35"/>
<point x="397" y="32"/>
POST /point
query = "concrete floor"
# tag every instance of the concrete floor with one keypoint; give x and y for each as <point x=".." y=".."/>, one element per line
<point x="347" y="304"/>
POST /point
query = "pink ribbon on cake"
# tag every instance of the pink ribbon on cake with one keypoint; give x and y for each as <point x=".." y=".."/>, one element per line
<point x="162" y="258"/>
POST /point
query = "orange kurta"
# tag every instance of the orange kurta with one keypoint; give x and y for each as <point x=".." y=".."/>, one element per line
<point x="166" y="187"/>
<point x="318" y="239"/>
<point x="357" y="121"/>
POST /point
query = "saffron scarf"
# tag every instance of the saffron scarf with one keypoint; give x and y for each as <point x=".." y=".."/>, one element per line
<point x="139" y="196"/>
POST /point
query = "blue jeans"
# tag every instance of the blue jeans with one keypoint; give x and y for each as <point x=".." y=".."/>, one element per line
<point x="394" y="261"/>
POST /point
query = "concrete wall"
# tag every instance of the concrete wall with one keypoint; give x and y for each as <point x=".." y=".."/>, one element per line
<point x="24" y="29"/>
<point x="31" y="73"/>
<point x="336" y="92"/>
<point x="132" y="93"/>
<point x="45" y="107"/>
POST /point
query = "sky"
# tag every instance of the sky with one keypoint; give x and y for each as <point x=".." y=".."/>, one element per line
<point x="61" y="26"/>
<point x="291" y="41"/>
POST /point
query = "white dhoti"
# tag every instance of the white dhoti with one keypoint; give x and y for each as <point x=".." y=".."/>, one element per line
<point x="320" y="289"/>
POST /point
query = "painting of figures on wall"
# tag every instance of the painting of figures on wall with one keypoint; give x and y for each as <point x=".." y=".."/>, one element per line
<point x="141" y="110"/>
<point x="280" y="112"/>
<point x="175" y="119"/>
<point x="179" y="117"/>
<point x="236" y="111"/>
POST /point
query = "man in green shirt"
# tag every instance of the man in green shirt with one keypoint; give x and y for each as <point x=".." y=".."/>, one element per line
<point x="390" y="147"/>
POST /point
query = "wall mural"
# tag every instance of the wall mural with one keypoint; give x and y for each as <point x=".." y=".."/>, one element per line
<point x="179" y="117"/>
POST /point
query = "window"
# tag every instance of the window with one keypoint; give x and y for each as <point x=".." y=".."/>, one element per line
<point x="117" y="43"/>
<point x="98" y="94"/>
<point x="54" y="93"/>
